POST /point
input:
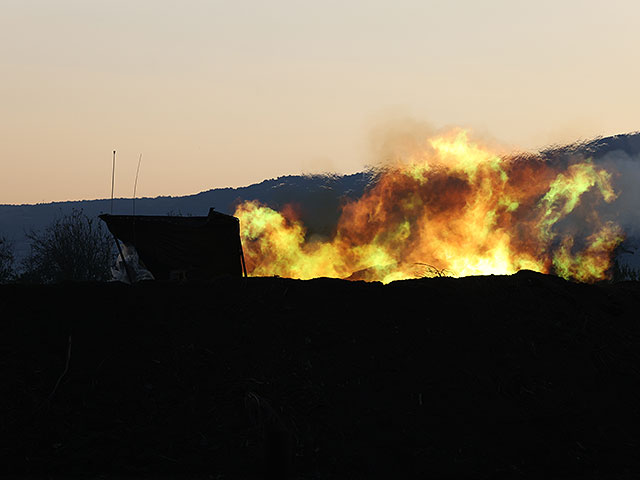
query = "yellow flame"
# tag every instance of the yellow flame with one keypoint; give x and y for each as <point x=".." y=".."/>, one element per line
<point x="458" y="208"/>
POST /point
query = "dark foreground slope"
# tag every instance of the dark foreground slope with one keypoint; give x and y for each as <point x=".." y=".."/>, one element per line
<point x="486" y="377"/>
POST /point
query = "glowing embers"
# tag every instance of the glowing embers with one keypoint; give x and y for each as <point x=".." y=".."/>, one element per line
<point x="455" y="207"/>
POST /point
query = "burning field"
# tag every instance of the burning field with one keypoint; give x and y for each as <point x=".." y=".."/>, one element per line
<point x="524" y="375"/>
<point x="452" y="206"/>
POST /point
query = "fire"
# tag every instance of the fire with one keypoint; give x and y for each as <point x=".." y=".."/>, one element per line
<point x="453" y="208"/>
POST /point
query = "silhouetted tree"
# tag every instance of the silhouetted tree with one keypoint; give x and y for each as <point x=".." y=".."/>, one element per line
<point x="73" y="247"/>
<point x="7" y="272"/>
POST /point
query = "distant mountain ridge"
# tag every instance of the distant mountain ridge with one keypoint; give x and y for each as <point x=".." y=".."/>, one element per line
<point x="317" y="198"/>
<point x="628" y="143"/>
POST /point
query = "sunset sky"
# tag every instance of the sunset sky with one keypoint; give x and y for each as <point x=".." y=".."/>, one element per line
<point x="228" y="93"/>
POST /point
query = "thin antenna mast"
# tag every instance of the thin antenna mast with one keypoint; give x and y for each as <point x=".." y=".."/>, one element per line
<point x="113" y="174"/>
<point x="135" y="185"/>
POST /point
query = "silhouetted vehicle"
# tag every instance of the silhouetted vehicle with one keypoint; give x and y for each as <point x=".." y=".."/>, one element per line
<point x="182" y="248"/>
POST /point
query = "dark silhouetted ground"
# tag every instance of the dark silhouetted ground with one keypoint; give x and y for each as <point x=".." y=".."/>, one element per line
<point x="525" y="376"/>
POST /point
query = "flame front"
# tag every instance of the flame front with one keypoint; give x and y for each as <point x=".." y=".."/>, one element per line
<point x="453" y="208"/>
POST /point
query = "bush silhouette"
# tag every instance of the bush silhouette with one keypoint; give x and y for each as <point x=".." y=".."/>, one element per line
<point x="7" y="272"/>
<point x="74" y="247"/>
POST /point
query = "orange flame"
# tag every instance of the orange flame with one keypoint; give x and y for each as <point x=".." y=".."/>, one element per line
<point x="454" y="208"/>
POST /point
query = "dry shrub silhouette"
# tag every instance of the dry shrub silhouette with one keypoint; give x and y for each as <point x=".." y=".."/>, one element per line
<point x="73" y="247"/>
<point x="7" y="258"/>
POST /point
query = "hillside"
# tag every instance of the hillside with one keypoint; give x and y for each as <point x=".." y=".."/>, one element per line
<point x="318" y="198"/>
<point x="526" y="376"/>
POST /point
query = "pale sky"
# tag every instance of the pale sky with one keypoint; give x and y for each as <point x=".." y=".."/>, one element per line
<point x="228" y="93"/>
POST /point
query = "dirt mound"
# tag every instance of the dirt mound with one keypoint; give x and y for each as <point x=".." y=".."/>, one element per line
<point x="480" y="377"/>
